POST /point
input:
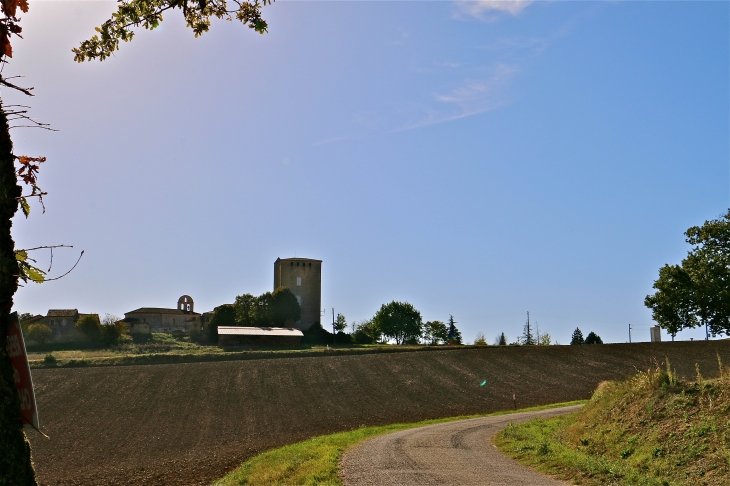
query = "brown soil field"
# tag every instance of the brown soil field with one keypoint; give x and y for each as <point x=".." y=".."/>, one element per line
<point x="190" y="423"/>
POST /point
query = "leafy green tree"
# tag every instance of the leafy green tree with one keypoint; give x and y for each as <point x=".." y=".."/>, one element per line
<point x="39" y="333"/>
<point x="501" y="340"/>
<point x="223" y="315"/>
<point x="90" y="326"/>
<point x="246" y="308"/>
<point x="696" y="292"/>
<point x="577" y="337"/>
<point x="435" y="332"/>
<point x="545" y="339"/>
<point x="399" y="321"/>
<point x="672" y="306"/>
<point x="454" y="333"/>
<point x="365" y="332"/>
<point x="340" y="323"/>
<point x="593" y="338"/>
<point x="284" y="308"/>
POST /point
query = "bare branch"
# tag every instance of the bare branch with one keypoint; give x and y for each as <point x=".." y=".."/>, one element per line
<point x="72" y="268"/>
<point x="11" y="85"/>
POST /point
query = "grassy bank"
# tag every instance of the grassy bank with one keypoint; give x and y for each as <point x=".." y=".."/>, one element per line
<point x="651" y="429"/>
<point x="315" y="461"/>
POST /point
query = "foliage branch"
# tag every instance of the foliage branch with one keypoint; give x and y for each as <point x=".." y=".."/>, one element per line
<point x="148" y="14"/>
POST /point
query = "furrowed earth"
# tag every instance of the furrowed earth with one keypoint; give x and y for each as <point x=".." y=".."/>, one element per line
<point x="190" y="423"/>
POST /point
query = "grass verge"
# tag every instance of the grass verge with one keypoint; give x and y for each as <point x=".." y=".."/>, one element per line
<point x="649" y="430"/>
<point x="316" y="461"/>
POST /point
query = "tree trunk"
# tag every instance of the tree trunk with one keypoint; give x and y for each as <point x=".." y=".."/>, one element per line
<point x="15" y="462"/>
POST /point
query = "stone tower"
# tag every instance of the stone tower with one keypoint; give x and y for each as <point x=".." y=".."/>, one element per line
<point x="303" y="276"/>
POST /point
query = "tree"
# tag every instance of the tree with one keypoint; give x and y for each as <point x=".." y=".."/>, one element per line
<point x="672" y="306"/>
<point x="435" y="332"/>
<point x="545" y="339"/>
<point x="454" y="333"/>
<point x="399" y="321"/>
<point x="696" y="292"/>
<point x="284" y="308"/>
<point x="593" y="338"/>
<point x="340" y="323"/>
<point x="577" y="337"/>
<point x="528" y="339"/>
<point x="223" y="315"/>
<point x="480" y="340"/>
<point x="365" y="332"/>
<point x="39" y="333"/>
<point x="501" y="340"/>
<point x="246" y="308"/>
<point x="15" y="459"/>
<point x="90" y="326"/>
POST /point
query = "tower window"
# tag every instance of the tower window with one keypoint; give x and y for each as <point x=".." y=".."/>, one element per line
<point x="299" y="281"/>
<point x="299" y="299"/>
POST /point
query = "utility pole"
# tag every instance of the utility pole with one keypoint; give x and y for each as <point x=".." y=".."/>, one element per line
<point x="630" y="333"/>
<point x="334" y="333"/>
<point x="537" y="332"/>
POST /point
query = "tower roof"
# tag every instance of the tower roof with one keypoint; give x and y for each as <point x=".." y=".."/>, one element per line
<point x="297" y="260"/>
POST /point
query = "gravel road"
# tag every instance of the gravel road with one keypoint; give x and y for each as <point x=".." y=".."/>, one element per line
<point x="455" y="453"/>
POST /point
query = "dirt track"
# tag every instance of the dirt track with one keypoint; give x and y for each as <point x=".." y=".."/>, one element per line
<point x="188" y="424"/>
<point x="451" y="454"/>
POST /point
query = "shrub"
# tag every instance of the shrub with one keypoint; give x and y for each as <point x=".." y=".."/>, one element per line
<point x="50" y="360"/>
<point x="480" y="340"/>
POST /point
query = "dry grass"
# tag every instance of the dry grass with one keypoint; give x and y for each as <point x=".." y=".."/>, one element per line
<point x="651" y="429"/>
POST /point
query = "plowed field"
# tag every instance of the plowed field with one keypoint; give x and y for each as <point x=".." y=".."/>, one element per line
<point x="188" y="424"/>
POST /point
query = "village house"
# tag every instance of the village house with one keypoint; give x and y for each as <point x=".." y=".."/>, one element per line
<point x="62" y="323"/>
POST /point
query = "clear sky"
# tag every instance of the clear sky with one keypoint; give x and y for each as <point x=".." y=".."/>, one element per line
<point x="480" y="159"/>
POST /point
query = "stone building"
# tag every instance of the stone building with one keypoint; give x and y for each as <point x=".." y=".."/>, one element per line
<point x="181" y="320"/>
<point x="62" y="323"/>
<point x="303" y="276"/>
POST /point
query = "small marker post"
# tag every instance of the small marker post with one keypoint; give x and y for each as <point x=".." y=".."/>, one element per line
<point x="514" y="401"/>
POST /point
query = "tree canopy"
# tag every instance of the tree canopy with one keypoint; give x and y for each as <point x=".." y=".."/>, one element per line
<point x="593" y="338"/>
<point x="435" y="332"/>
<point x="277" y="309"/>
<point x="400" y="321"/>
<point x="697" y="291"/>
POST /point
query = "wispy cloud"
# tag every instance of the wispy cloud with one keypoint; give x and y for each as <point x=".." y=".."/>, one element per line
<point x="472" y="97"/>
<point x="490" y="10"/>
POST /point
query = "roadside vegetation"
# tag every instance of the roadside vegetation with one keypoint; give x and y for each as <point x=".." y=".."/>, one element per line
<point x="651" y="429"/>
<point x="316" y="461"/>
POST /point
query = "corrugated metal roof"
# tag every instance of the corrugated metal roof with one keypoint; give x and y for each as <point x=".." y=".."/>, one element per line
<point x="259" y="331"/>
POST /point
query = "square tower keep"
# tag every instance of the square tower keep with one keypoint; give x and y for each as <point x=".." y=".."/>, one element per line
<point x="303" y="277"/>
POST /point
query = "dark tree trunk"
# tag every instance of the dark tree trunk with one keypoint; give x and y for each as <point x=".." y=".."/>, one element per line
<point x="16" y="467"/>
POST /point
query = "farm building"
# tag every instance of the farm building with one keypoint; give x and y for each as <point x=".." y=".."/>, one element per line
<point x="181" y="320"/>
<point x="258" y="336"/>
<point x="303" y="277"/>
<point x="62" y="323"/>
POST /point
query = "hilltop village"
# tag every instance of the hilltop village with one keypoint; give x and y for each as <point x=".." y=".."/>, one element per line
<point x="302" y="276"/>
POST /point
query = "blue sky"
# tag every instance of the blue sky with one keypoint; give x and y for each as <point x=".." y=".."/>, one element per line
<point x="480" y="159"/>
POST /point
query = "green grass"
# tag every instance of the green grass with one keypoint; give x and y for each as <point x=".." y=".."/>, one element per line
<point x="649" y="430"/>
<point x="316" y="461"/>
